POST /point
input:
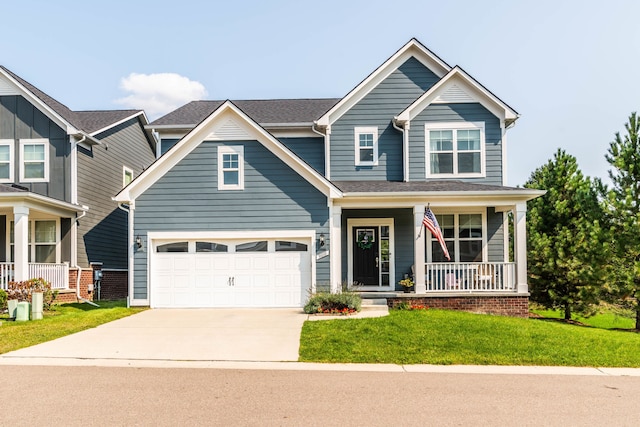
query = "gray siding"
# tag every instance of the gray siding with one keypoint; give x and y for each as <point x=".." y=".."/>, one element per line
<point x="19" y="119"/>
<point x="275" y="197"/>
<point x="166" y="144"/>
<point x="495" y="236"/>
<point x="471" y="112"/>
<point x="377" y="109"/>
<point x="311" y="150"/>
<point x="102" y="233"/>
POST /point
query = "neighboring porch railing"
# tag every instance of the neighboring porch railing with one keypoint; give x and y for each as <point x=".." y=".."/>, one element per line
<point x="56" y="274"/>
<point x="471" y="277"/>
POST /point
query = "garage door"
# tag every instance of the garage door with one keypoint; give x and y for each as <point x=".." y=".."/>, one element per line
<point x="230" y="273"/>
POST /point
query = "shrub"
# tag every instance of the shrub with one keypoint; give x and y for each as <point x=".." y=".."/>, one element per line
<point x="22" y="291"/>
<point x="342" y="303"/>
<point x="3" y="299"/>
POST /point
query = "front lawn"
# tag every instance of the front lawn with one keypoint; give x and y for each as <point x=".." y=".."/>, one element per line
<point x="62" y="320"/>
<point x="450" y="337"/>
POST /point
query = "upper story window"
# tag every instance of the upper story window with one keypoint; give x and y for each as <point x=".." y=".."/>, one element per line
<point x="34" y="163"/>
<point x="6" y="160"/>
<point x="366" y="140"/>
<point x="230" y="167"/>
<point x="127" y="176"/>
<point x="455" y="149"/>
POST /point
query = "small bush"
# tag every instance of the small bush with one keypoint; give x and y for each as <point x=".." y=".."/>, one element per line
<point x="342" y="303"/>
<point x="22" y="291"/>
<point x="3" y="299"/>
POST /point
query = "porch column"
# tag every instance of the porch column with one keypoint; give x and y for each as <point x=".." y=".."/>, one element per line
<point x="418" y="249"/>
<point x="21" y="243"/>
<point x="520" y="246"/>
<point x="335" y="248"/>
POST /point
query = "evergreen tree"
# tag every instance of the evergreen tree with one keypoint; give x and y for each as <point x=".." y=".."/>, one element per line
<point x="564" y="237"/>
<point x="624" y="213"/>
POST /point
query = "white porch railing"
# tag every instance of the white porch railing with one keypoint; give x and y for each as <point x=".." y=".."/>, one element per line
<point x="471" y="277"/>
<point x="56" y="274"/>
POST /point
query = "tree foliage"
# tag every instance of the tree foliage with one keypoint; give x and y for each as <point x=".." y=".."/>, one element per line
<point x="565" y="237"/>
<point x="624" y="214"/>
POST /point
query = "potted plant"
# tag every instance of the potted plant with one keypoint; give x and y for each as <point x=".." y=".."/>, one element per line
<point x="407" y="284"/>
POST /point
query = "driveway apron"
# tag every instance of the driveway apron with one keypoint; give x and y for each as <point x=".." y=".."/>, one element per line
<point x="184" y="334"/>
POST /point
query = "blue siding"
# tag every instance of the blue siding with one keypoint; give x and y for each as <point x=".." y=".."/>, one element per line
<point x="166" y="144"/>
<point x="311" y="150"/>
<point x="495" y="236"/>
<point x="377" y="109"/>
<point x="187" y="199"/>
<point x="471" y="112"/>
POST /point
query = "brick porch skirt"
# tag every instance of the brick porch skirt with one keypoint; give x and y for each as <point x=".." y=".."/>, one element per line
<point x="504" y="305"/>
<point x="114" y="285"/>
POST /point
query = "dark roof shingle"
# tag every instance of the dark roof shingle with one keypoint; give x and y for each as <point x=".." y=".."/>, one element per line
<point x="418" y="186"/>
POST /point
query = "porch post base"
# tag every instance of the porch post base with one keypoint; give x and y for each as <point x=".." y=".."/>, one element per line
<point x="523" y="288"/>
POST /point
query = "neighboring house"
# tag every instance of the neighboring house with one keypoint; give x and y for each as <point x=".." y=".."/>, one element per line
<point x="257" y="203"/>
<point x="59" y="170"/>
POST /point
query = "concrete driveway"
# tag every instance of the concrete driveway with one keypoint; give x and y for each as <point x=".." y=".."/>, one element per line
<point x="179" y="334"/>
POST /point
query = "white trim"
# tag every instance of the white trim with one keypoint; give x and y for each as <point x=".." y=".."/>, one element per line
<point x="38" y="217"/>
<point x="357" y="131"/>
<point x="454" y="127"/>
<point x="335" y="247"/>
<point x="503" y="143"/>
<point x="12" y="159"/>
<point x="35" y="141"/>
<point x="372" y="222"/>
<point x="125" y="171"/>
<point x="231" y="149"/>
<point x="456" y="239"/>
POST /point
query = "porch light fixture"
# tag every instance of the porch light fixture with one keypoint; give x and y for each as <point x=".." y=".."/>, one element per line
<point x="138" y="242"/>
<point x="321" y="240"/>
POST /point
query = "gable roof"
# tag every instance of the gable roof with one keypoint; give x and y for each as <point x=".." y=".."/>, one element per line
<point x="263" y="111"/>
<point x="225" y="123"/>
<point x="412" y="49"/>
<point x="458" y="86"/>
<point x="74" y="122"/>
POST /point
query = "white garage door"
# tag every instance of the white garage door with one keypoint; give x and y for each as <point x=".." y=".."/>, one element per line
<point x="230" y="273"/>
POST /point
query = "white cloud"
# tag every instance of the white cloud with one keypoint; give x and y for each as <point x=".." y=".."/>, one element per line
<point x="159" y="93"/>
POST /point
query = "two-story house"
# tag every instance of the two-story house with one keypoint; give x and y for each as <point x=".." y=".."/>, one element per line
<point x="59" y="170"/>
<point x="257" y="203"/>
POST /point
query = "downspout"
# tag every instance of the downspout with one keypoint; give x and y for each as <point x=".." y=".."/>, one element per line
<point x="327" y="148"/>
<point x="405" y="148"/>
<point x="129" y="254"/>
<point x="79" y="275"/>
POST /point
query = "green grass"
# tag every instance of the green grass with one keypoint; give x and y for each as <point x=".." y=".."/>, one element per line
<point x="449" y="337"/>
<point x="63" y="320"/>
<point x="609" y="319"/>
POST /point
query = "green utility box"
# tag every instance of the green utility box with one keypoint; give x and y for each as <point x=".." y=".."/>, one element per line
<point x="22" y="312"/>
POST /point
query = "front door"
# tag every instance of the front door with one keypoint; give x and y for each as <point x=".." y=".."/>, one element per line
<point x="366" y="256"/>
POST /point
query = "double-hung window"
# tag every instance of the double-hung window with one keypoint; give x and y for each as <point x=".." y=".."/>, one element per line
<point x="34" y="160"/>
<point x="464" y="236"/>
<point x="42" y="240"/>
<point x="6" y="160"/>
<point x="230" y="167"/>
<point x="366" y="143"/>
<point x="455" y="149"/>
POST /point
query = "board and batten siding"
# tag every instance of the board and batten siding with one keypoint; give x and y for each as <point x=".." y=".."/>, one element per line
<point x="465" y="112"/>
<point x="19" y="119"/>
<point x="187" y="199"/>
<point x="103" y="232"/>
<point x="377" y="109"/>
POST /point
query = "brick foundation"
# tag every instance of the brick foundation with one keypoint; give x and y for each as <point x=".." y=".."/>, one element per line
<point x="504" y="305"/>
<point x="114" y="285"/>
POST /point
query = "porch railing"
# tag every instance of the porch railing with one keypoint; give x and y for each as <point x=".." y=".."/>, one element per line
<point x="470" y="277"/>
<point x="56" y="274"/>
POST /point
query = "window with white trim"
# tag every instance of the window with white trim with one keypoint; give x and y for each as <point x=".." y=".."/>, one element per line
<point x="43" y="238"/>
<point x="455" y="149"/>
<point x="6" y="160"/>
<point x="34" y="160"/>
<point x="231" y="167"/>
<point x="366" y="143"/>
<point x="127" y="176"/>
<point x="463" y="235"/>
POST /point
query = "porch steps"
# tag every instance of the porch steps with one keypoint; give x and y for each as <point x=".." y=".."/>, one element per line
<point x="375" y="304"/>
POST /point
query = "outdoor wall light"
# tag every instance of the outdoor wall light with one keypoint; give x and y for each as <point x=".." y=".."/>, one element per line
<point x="138" y="242"/>
<point x="321" y="239"/>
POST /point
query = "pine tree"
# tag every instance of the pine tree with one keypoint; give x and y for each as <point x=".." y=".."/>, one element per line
<point x="564" y="237"/>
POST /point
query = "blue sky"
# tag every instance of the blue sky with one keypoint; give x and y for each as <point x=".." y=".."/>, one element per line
<point x="568" y="67"/>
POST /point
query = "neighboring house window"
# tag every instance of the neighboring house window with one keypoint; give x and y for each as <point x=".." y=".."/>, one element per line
<point x="464" y="236"/>
<point x="42" y="241"/>
<point x="366" y="146"/>
<point x="127" y="176"/>
<point x="6" y="160"/>
<point x="455" y="149"/>
<point x="230" y="167"/>
<point x="34" y="164"/>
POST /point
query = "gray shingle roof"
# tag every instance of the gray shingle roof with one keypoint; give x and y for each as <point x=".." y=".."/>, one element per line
<point x="88" y="121"/>
<point x="13" y="188"/>
<point x="425" y="186"/>
<point x="263" y="111"/>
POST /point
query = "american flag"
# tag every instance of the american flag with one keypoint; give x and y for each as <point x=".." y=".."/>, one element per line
<point x="432" y="225"/>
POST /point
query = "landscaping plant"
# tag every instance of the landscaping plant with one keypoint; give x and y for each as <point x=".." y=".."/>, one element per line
<point x="22" y="291"/>
<point x="341" y="303"/>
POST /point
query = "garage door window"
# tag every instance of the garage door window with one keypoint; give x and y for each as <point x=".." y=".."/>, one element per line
<point x="283" y="246"/>
<point x="260" y="246"/>
<point x="174" y="247"/>
<point x="211" y="247"/>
